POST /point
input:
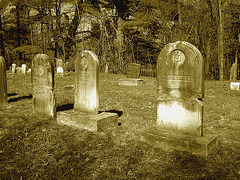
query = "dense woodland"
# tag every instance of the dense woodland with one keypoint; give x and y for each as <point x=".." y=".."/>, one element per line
<point x="120" y="31"/>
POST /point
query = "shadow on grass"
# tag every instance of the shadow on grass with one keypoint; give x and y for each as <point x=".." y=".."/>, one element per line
<point x="12" y="94"/>
<point x="119" y="113"/>
<point x="71" y="106"/>
<point x="20" y="98"/>
<point x="64" y="107"/>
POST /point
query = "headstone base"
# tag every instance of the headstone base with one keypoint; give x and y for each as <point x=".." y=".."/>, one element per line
<point x="130" y="82"/>
<point x="101" y="122"/>
<point x="170" y="141"/>
<point x="235" y="86"/>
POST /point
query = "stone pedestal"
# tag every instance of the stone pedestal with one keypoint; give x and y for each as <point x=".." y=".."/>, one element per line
<point x="170" y="141"/>
<point x="97" y="123"/>
<point x="130" y="82"/>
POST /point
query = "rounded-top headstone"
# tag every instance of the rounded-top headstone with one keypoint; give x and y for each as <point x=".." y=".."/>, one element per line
<point x="180" y="87"/>
<point x="43" y="86"/>
<point x="87" y="82"/>
<point x="3" y="82"/>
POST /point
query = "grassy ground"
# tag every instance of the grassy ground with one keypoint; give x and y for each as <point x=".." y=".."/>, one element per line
<point x="37" y="148"/>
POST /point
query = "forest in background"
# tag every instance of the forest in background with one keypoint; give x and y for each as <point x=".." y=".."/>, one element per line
<point x="120" y="31"/>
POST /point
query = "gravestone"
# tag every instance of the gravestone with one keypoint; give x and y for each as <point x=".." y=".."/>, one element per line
<point x="43" y="86"/>
<point x="23" y="68"/>
<point x="13" y="68"/>
<point x="235" y="86"/>
<point x="3" y="82"/>
<point x="133" y="70"/>
<point x="133" y="74"/>
<point x="180" y="89"/>
<point x="87" y="83"/>
<point x="59" y="66"/>
<point x="86" y="102"/>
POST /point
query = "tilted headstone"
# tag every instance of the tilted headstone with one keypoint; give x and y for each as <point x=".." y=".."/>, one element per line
<point x="13" y="68"/>
<point x="180" y="88"/>
<point x="87" y="82"/>
<point x="3" y="82"/>
<point x="133" y="70"/>
<point x="43" y="86"/>
<point x="29" y="70"/>
<point x="24" y="68"/>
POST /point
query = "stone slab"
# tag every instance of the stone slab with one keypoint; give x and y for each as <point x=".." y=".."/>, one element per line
<point x="130" y="82"/>
<point x="170" y="141"/>
<point x="97" y="123"/>
<point x="235" y="86"/>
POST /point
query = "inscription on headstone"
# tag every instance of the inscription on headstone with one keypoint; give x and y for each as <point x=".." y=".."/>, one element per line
<point x="43" y="86"/>
<point x="180" y="88"/>
<point x="86" y="82"/>
<point x="3" y="82"/>
<point x="133" y="70"/>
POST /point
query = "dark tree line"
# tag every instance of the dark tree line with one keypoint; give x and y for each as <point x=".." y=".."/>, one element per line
<point x="121" y="31"/>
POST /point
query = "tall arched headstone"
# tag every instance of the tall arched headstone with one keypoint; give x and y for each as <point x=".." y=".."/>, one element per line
<point x="87" y="82"/>
<point x="180" y="88"/>
<point x="86" y="103"/>
<point x="3" y="82"/>
<point x="43" y="86"/>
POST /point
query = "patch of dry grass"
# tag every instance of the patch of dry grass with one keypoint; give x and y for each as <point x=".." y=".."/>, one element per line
<point x="37" y="148"/>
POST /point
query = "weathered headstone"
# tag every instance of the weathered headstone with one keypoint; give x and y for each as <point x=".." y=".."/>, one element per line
<point x="180" y="88"/>
<point x="133" y="70"/>
<point x="133" y="74"/>
<point x="23" y="68"/>
<point x="43" y="86"/>
<point x="59" y="66"/>
<point x="179" y="101"/>
<point x="87" y="83"/>
<point x="3" y="82"/>
<point x="13" y="68"/>
<point x="86" y="103"/>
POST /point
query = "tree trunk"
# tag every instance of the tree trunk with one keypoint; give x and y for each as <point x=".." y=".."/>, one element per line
<point x="208" y="56"/>
<point x="220" y="42"/>
<point x="1" y="38"/>
<point x="119" y="42"/>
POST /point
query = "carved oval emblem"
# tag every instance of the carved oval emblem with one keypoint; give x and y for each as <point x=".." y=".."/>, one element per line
<point x="177" y="58"/>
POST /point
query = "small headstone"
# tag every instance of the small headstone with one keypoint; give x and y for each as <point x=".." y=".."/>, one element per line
<point x="133" y="70"/>
<point x="133" y="74"/>
<point x="180" y="88"/>
<point x="235" y="86"/>
<point x="3" y="82"/>
<point x="59" y="66"/>
<point x="29" y="70"/>
<point x="13" y="68"/>
<point x="43" y="86"/>
<point x="87" y="83"/>
<point x="23" y="68"/>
